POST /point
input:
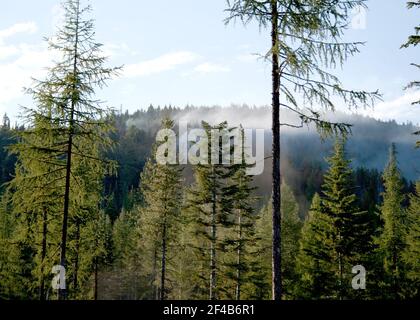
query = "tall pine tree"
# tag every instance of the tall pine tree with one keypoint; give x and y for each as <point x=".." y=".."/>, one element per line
<point x="317" y="273"/>
<point x="241" y="238"/>
<point x="209" y="204"/>
<point x="392" y="241"/>
<point x="338" y="228"/>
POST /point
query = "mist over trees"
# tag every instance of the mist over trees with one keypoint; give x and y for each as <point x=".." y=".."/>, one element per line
<point x="84" y="194"/>
<point x="414" y="40"/>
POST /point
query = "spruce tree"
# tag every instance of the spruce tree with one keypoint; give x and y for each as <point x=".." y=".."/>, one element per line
<point x="208" y="203"/>
<point x="338" y="223"/>
<point x="317" y="275"/>
<point x="128" y="281"/>
<point x="291" y="226"/>
<point x="392" y="241"/>
<point x="411" y="254"/>
<point x="241" y="239"/>
<point x="261" y="280"/>
<point x="350" y="225"/>
<point x="94" y="254"/>
<point x="291" y="231"/>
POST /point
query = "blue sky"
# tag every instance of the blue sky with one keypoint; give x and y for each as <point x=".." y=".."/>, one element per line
<point x="180" y="52"/>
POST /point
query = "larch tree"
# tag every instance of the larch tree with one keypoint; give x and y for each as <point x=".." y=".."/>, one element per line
<point x="305" y="45"/>
<point x="36" y="195"/>
<point x="9" y="253"/>
<point x="78" y="118"/>
<point x="392" y="241"/>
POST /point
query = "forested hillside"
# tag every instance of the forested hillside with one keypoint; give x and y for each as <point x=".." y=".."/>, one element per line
<point x="305" y="170"/>
<point x="98" y="203"/>
<point x="303" y="158"/>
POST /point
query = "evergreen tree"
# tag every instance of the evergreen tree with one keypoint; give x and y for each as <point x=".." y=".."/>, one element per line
<point x="350" y="226"/>
<point x="209" y="206"/>
<point x="317" y="274"/>
<point x="6" y="122"/>
<point x="161" y="189"/>
<point x="291" y="230"/>
<point x="338" y="223"/>
<point x="10" y="284"/>
<point x="411" y="254"/>
<point x="7" y="159"/>
<point x="36" y="202"/>
<point x="291" y="226"/>
<point x="186" y="261"/>
<point x="241" y="239"/>
<point x="261" y="280"/>
<point x="94" y="254"/>
<point x="127" y="279"/>
<point x="392" y="241"/>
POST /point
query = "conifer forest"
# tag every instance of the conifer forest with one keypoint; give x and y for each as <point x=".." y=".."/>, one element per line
<point x="311" y="194"/>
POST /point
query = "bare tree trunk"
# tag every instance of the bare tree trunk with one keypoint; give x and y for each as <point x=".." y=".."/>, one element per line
<point x="62" y="293"/>
<point x="276" y="253"/>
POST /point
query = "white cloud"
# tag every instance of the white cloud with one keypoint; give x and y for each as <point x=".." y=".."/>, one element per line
<point x="113" y="50"/>
<point x="17" y="74"/>
<point x="8" y="51"/>
<point x="160" y="64"/>
<point x="208" y="67"/>
<point x="246" y="58"/>
<point x="399" y="109"/>
<point x="25" y="27"/>
<point x="23" y="62"/>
